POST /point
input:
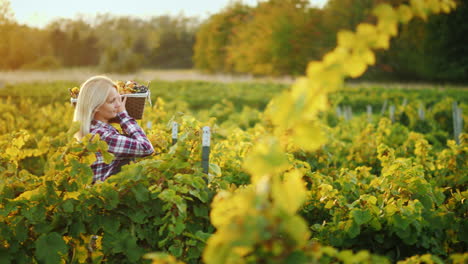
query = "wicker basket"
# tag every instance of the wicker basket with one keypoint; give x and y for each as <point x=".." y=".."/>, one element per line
<point x="135" y="103"/>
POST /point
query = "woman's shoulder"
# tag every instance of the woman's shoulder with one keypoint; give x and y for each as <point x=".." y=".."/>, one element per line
<point x="101" y="128"/>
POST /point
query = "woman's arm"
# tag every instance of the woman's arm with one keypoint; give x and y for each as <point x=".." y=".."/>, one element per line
<point x="136" y="144"/>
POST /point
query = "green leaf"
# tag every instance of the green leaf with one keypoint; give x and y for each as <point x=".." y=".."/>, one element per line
<point x="200" y="211"/>
<point x="375" y="224"/>
<point x="76" y="228"/>
<point x="132" y="250"/>
<point x="400" y="222"/>
<point x="110" y="224"/>
<point x="361" y="216"/>
<point x="138" y="217"/>
<point x="21" y="231"/>
<point x="179" y="226"/>
<point x="141" y="193"/>
<point x="202" y="235"/>
<point x="50" y="248"/>
<point x="35" y="213"/>
<point x="181" y="204"/>
<point x="108" y="157"/>
<point x="353" y="229"/>
<point x="67" y="206"/>
<point x="215" y="169"/>
<point x="176" y="250"/>
<point x="111" y="196"/>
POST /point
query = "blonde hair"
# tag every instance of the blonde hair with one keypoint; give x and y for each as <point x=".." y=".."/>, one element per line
<point x="93" y="93"/>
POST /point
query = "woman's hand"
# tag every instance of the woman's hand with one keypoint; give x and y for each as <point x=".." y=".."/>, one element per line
<point x="122" y="104"/>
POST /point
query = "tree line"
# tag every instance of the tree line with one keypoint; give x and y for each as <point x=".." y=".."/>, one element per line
<point x="275" y="37"/>
<point x="113" y="43"/>
<point x="279" y="37"/>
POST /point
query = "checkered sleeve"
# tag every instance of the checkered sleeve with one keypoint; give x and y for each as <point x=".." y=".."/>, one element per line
<point x="134" y="144"/>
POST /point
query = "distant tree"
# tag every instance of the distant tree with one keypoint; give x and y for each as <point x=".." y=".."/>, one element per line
<point x="175" y="41"/>
<point x="6" y="13"/>
<point x="22" y="45"/>
<point x="58" y="40"/>
<point x="447" y="38"/>
<point x="281" y="37"/>
<point x="345" y="14"/>
<point x="215" y="35"/>
<point x="90" y="50"/>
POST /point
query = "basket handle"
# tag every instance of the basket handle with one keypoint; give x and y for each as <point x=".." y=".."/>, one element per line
<point x="149" y="94"/>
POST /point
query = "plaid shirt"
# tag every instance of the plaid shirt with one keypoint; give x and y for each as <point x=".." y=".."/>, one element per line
<point x="124" y="147"/>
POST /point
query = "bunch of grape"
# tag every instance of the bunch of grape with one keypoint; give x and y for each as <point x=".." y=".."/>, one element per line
<point x="140" y="88"/>
<point x="131" y="87"/>
<point x="74" y="92"/>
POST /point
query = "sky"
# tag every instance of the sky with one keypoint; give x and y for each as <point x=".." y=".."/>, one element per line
<point x="39" y="13"/>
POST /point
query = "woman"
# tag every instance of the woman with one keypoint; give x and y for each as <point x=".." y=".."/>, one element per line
<point x="98" y="102"/>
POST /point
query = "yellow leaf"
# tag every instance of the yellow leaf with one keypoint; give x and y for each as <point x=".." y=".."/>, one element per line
<point x="266" y="158"/>
<point x="372" y="200"/>
<point x="242" y="251"/>
<point x="388" y="28"/>
<point x="314" y="69"/>
<point x="12" y="152"/>
<point x="333" y="80"/>
<point x="434" y="5"/>
<point x="289" y="194"/>
<point x="405" y="13"/>
<point x="29" y="195"/>
<point x="346" y="39"/>
<point x="329" y="204"/>
<point x="391" y="209"/>
<point x="280" y="110"/>
<point x="300" y="88"/>
<point x="308" y="136"/>
<point x="325" y="189"/>
<point x="316" y="101"/>
<point x="81" y="253"/>
<point x="89" y="159"/>
<point x="419" y="8"/>
<point x="366" y="32"/>
<point x="18" y="142"/>
<point x="368" y="56"/>
<point x="383" y="41"/>
<point x="308" y="99"/>
<point x="226" y="205"/>
<point x="71" y="195"/>
<point x="334" y="58"/>
<point x="297" y="229"/>
<point x="355" y="66"/>
<point x="385" y="12"/>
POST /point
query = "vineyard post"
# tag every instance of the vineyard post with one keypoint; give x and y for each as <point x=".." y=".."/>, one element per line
<point x="421" y="112"/>
<point x="460" y="122"/>
<point x="392" y="113"/>
<point x="348" y="113"/>
<point x="384" y="106"/>
<point x="338" y="111"/>
<point x="369" y="113"/>
<point x="175" y="130"/>
<point x="206" y="149"/>
<point x="457" y="122"/>
<point x="405" y="102"/>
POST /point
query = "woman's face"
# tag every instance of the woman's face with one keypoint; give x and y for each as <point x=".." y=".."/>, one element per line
<point x="109" y="109"/>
